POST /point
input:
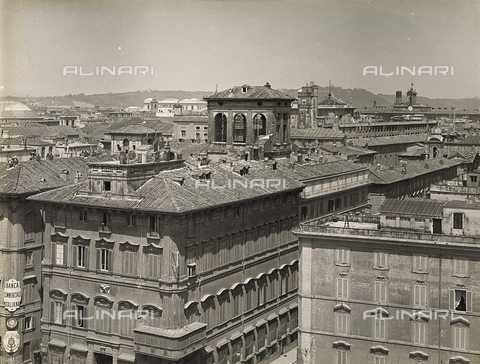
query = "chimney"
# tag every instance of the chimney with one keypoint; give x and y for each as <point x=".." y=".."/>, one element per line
<point x="76" y="179"/>
<point x="299" y="158"/>
<point x="64" y="174"/>
<point x="398" y="98"/>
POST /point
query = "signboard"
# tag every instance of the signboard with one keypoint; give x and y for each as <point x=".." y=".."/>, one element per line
<point x="11" y="341"/>
<point x="12" y="295"/>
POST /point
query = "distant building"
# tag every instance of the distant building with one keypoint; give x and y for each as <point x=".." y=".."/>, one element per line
<point x="330" y="188"/>
<point x="240" y="116"/>
<point x="307" y="106"/>
<point x="466" y="187"/>
<point x="411" y="103"/>
<point x="190" y="127"/>
<point x="401" y="287"/>
<point x="16" y="113"/>
<point x="412" y="179"/>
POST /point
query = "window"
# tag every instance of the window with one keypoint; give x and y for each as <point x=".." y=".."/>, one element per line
<point x="379" y="359"/>
<point x="26" y="352"/>
<point x="419" y="332"/>
<point x="420" y="296"/>
<point x="460" y="337"/>
<point x="107" y="185"/>
<point x="104" y="260"/>
<point x="380" y="291"/>
<point x="458" y="220"/>
<point x="420" y="263"/>
<point x="342" y="256"/>
<point x="82" y="215"/>
<point x="461" y="300"/>
<point x="129" y="263"/>
<point x="153" y="265"/>
<point x="103" y="319"/>
<point x="342" y="357"/>
<point x="29" y="323"/>
<point x="460" y="267"/>
<point x="190" y="260"/>
<point x="57" y="312"/>
<point x="184" y="133"/>
<point x="29" y="259"/>
<point x="79" y="316"/>
<point x="220" y="128"/>
<point x="380" y="260"/>
<point x="80" y="256"/>
<point x="341" y="323"/>
<point x="59" y="254"/>
<point x="28" y="292"/>
<point x="130" y="220"/>
<point x="380" y="327"/>
<point x="30" y="226"/>
<point x="473" y="178"/>
<point x="342" y="287"/>
<point x="153" y="227"/>
<point x="262" y="293"/>
<point x="104" y="221"/>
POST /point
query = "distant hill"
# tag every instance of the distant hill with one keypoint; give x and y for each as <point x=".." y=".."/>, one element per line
<point x="358" y="97"/>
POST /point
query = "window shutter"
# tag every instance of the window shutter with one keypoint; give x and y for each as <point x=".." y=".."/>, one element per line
<point x="99" y="258"/>
<point x="52" y="311"/>
<point x="54" y="253"/>
<point x="109" y="260"/>
<point x="62" y="313"/>
<point x="86" y="257"/>
<point x="65" y="249"/>
<point x="75" y="318"/>
<point x="33" y="322"/>
<point x="451" y="299"/>
<point x="75" y="255"/>
<point x="347" y="256"/>
<point x="416" y="296"/>
<point x="469" y="301"/>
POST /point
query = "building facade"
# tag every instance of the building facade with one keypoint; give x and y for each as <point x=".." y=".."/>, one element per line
<point x="149" y="263"/>
<point x="398" y="289"/>
<point x="241" y="116"/>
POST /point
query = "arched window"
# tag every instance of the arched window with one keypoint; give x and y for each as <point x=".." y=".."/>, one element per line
<point x="259" y="126"/>
<point x="239" y="128"/>
<point x="220" y="128"/>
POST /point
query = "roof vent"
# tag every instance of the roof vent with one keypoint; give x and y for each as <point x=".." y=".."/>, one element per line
<point x="179" y="180"/>
<point x="268" y="85"/>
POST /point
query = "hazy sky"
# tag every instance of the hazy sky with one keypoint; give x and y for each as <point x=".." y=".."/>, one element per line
<point x="195" y="45"/>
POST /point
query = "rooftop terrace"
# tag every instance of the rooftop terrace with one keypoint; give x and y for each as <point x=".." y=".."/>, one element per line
<point x="369" y="226"/>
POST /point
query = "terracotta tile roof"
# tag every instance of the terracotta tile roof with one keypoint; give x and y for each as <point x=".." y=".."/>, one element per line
<point x="188" y="148"/>
<point x="17" y="110"/>
<point x="413" y="206"/>
<point x="396" y="139"/>
<point x="252" y="92"/>
<point x="304" y="172"/>
<point x="413" y="169"/>
<point x="347" y="150"/>
<point x="179" y="191"/>
<point x="315" y="133"/>
<point x="43" y="131"/>
<point x="134" y="126"/>
<point x="131" y="129"/>
<point x="34" y="176"/>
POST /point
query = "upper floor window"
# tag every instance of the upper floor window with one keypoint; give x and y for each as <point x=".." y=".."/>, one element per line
<point x="153" y="226"/>
<point x="460" y="299"/>
<point x="460" y="267"/>
<point x="104" y="260"/>
<point x="29" y="259"/>
<point x="420" y="295"/>
<point x="342" y="257"/>
<point x="107" y="186"/>
<point x="380" y="260"/>
<point x="30" y="226"/>
<point x="458" y="220"/>
<point x="130" y="220"/>
<point x="460" y="337"/>
<point x="342" y="287"/>
<point x="59" y="253"/>
<point x="420" y="263"/>
<point x="82" y="215"/>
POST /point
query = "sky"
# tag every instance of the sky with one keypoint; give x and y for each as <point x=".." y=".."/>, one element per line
<point x="200" y="45"/>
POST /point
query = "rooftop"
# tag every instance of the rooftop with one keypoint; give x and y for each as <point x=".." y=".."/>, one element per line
<point x="386" y="175"/>
<point x="316" y="133"/>
<point x="183" y="189"/>
<point x="250" y="92"/>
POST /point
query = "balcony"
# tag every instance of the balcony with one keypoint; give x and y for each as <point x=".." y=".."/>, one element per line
<point x="172" y="344"/>
<point x="104" y="229"/>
